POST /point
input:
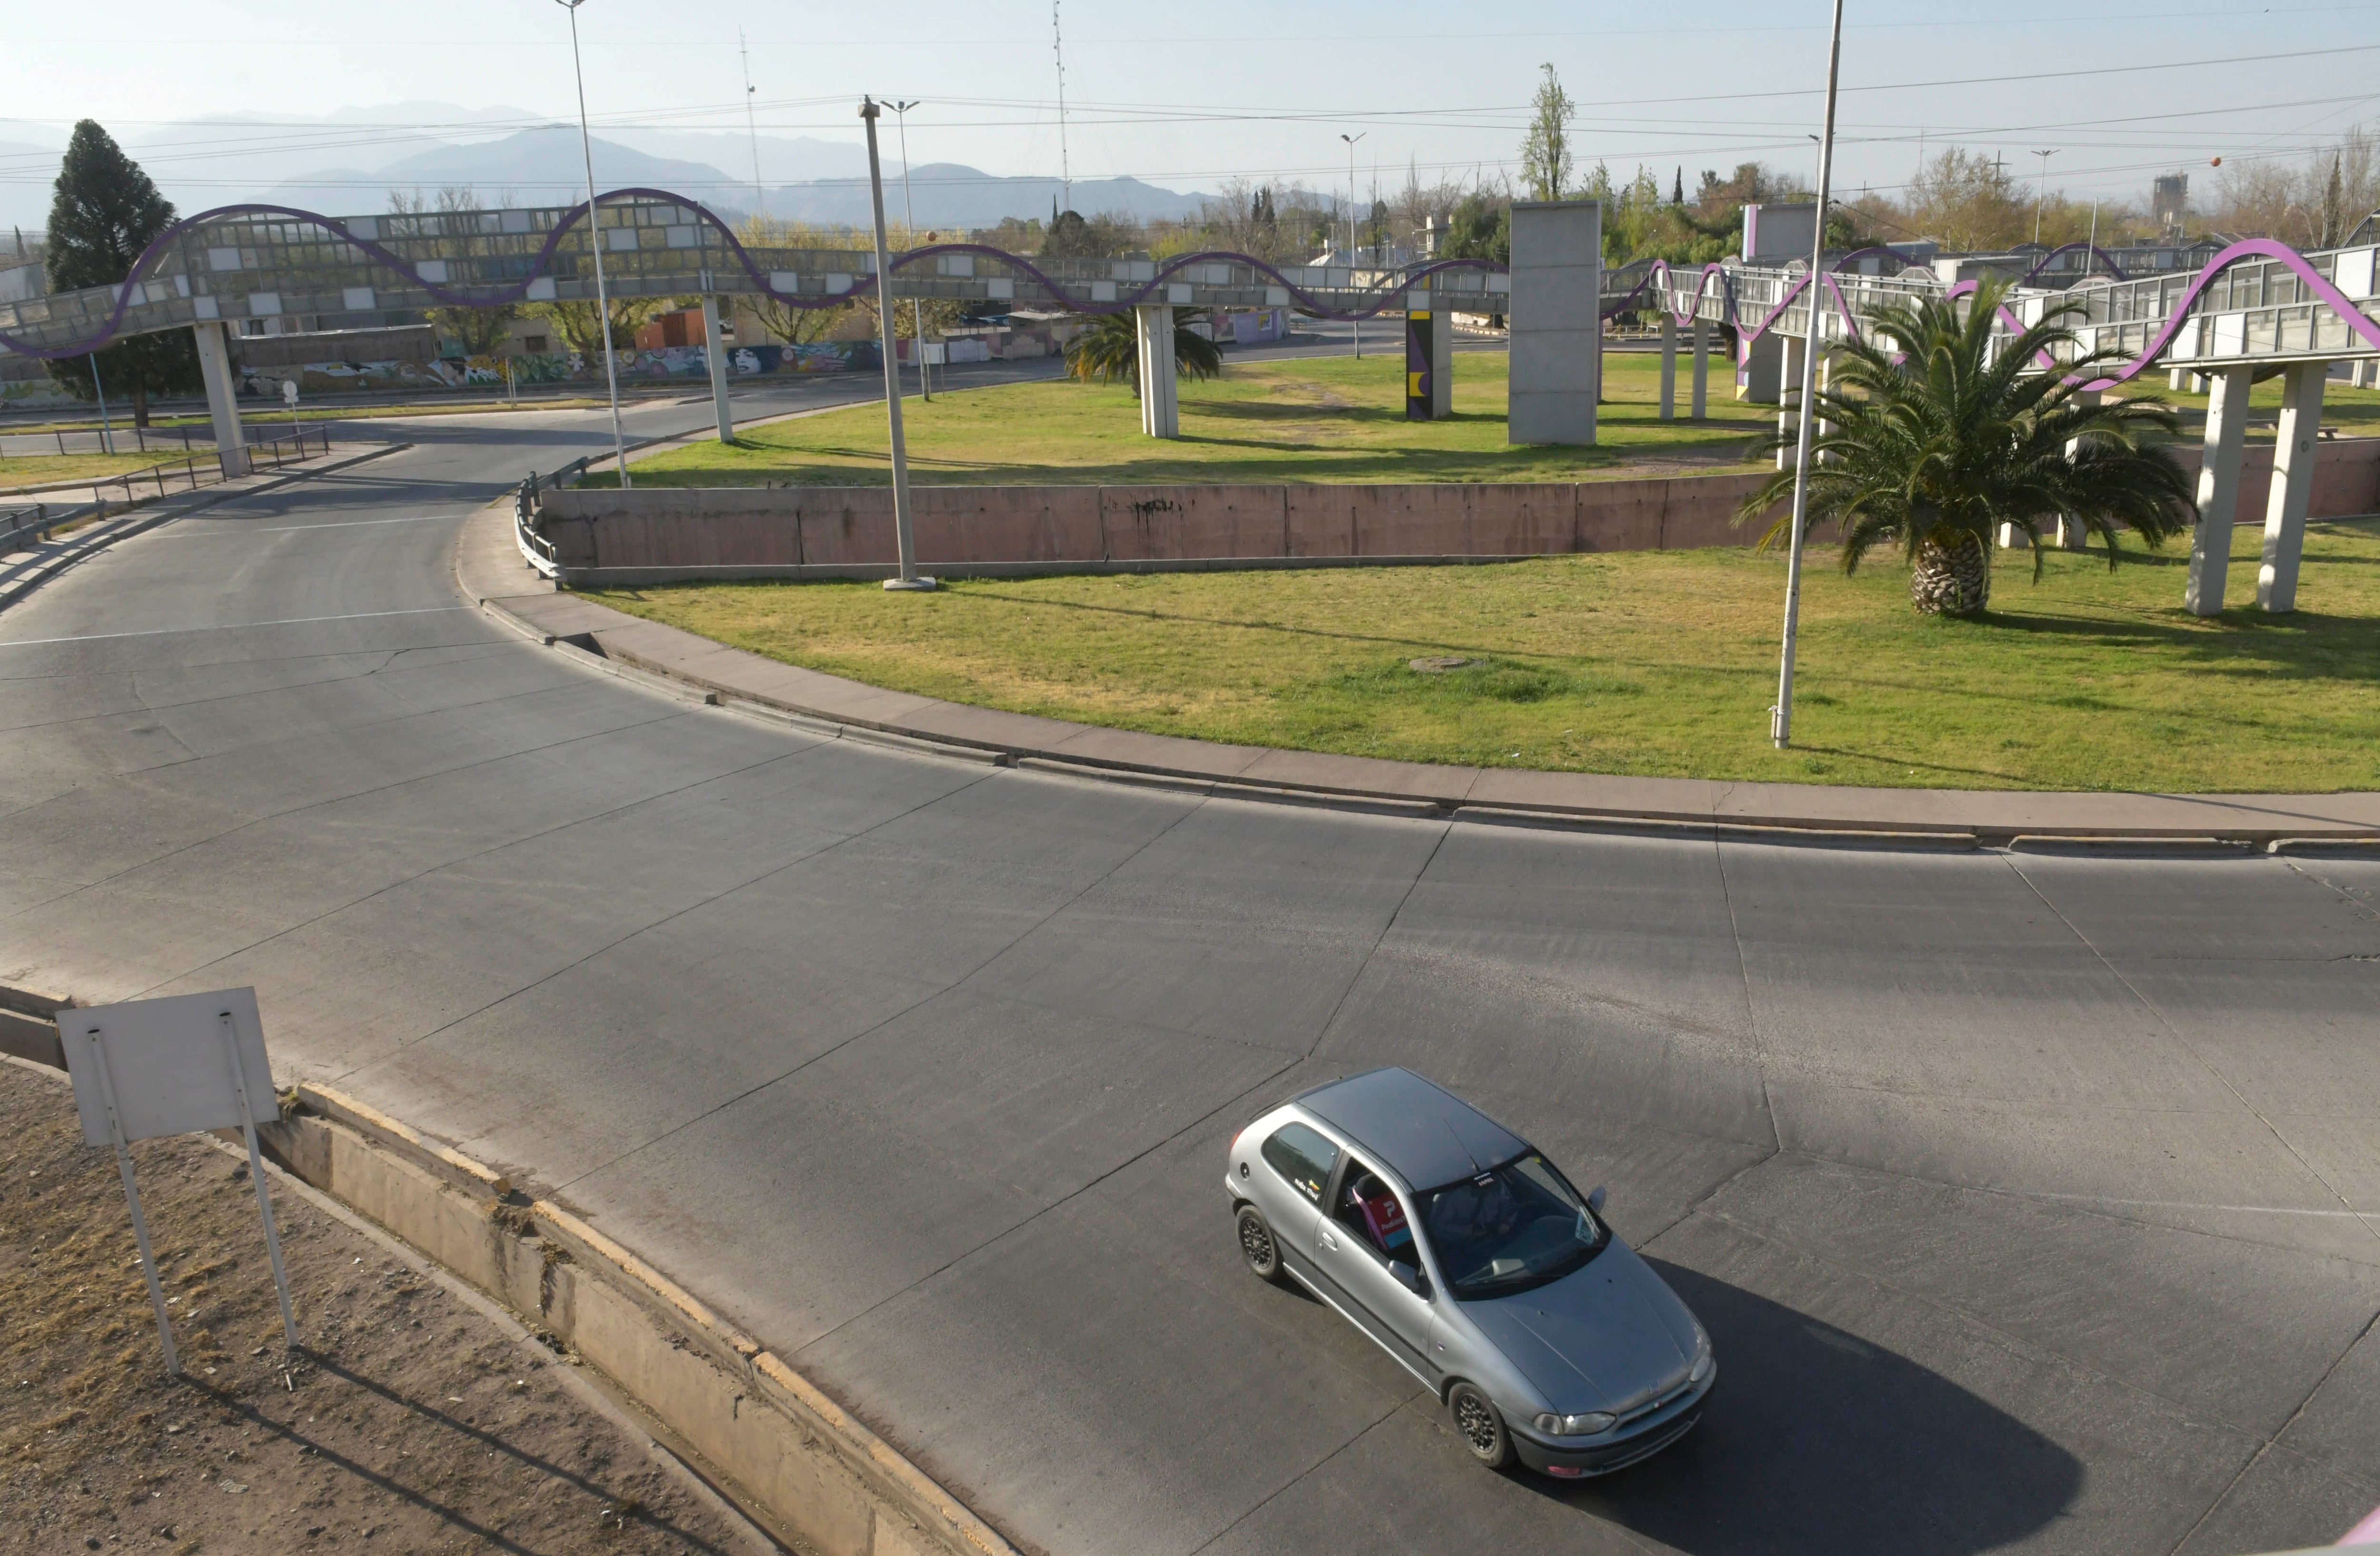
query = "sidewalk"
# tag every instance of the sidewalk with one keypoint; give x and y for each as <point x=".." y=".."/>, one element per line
<point x="490" y="572"/>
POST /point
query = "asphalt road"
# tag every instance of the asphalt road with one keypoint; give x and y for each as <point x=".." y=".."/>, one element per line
<point x="2034" y="1203"/>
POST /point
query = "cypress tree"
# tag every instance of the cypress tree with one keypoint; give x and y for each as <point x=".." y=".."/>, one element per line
<point x="106" y="211"/>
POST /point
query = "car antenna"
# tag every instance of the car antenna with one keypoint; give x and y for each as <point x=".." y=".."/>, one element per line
<point x="1476" y="1170"/>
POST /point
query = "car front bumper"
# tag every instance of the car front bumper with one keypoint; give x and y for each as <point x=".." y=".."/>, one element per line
<point x="1644" y="1439"/>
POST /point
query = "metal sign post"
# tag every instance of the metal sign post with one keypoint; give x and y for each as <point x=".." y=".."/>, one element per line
<point x="289" y="398"/>
<point x="176" y="1067"/>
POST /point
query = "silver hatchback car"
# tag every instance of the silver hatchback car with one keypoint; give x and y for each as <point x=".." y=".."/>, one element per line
<point x="1471" y="1260"/>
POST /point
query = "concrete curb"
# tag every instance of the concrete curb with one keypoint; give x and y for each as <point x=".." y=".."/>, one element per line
<point x="834" y="707"/>
<point x="87" y="543"/>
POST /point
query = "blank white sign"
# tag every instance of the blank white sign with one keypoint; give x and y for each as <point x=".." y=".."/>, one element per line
<point x="169" y="1063"/>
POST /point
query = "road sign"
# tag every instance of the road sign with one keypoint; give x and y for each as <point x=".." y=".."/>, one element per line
<point x="290" y="393"/>
<point x="174" y="1067"/>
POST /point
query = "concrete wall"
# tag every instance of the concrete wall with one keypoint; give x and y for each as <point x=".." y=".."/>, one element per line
<point x="695" y="531"/>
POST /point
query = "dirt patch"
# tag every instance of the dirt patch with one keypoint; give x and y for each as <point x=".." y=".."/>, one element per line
<point x="411" y="1422"/>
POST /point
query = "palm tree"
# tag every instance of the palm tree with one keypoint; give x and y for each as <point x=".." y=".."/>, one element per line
<point x="1933" y="449"/>
<point x="1109" y="349"/>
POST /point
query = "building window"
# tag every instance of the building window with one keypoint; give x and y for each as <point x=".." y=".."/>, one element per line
<point x="533" y="343"/>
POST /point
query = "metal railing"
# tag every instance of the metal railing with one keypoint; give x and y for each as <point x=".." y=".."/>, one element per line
<point x="17" y="525"/>
<point x="207" y="469"/>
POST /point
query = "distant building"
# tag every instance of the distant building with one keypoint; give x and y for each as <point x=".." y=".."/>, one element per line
<point x="2169" y="201"/>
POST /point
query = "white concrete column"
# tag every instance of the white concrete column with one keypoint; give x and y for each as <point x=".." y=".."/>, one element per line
<point x="1701" y="401"/>
<point x="2066" y="532"/>
<point x="1160" y="413"/>
<point x="2360" y="373"/>
<point x="1789" y="393"/>
<point x="223" y="399"/>
<point x="2173" y="377"/>
<point x="1556" y="312"/>
<point x="2218" y="492"/>
<point x="714" y="355"/>
<point x="2292" y="489"/>
<point x="1669" y="365"/>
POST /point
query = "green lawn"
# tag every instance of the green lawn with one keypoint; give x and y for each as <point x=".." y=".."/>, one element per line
<point x="1657" y="663"/>
<point x="1330" y="418"/>
<point x="47" y="470"/>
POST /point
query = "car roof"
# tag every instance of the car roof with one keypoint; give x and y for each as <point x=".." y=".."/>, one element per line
<point x="1421" y="1132"/>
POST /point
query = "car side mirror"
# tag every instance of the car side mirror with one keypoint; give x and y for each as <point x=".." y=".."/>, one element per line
<point x="1595" y="1200"/>
<point x="1408" y="1277"/>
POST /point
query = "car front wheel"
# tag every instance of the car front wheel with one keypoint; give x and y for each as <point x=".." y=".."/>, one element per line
<point x="1256" y="1244"/>
<point x="1480" y="1426"/>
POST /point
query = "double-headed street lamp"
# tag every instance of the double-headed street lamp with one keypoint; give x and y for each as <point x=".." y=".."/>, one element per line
<point x="909" y="215"/>
<point x="595" y="242"/>
<point x="1350" y="141"/>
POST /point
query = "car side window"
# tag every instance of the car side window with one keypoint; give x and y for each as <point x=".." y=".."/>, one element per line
<point x="1369" y="1207"/>
<point x="1303" y="1156"/>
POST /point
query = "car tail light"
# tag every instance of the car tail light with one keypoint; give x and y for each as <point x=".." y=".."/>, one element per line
<point x="1566" y="1472"/>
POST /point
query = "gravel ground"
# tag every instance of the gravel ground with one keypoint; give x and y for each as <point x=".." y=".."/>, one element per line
<point x="411" y="1421"/>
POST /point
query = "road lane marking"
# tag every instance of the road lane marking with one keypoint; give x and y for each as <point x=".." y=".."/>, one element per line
<point x="229" y="626"/>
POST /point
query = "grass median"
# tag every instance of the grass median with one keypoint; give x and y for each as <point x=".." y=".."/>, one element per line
<point x="1320" y="419"/>
<point x="1653" y="662"/>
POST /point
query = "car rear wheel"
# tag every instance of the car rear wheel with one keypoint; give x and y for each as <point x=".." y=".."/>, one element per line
<point x="1480" y="1426"/>
<point x="1256" y="1244"/>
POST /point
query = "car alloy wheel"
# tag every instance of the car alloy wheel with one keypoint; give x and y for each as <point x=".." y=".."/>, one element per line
<point x="1482" y="1427"/>
<point x="1255" y="1242"/>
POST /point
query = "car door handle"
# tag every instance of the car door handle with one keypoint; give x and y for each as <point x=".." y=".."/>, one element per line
<point x="1329" y="1241"/>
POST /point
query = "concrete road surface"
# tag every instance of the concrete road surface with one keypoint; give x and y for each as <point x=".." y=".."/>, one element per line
<point x="2034" y="1203"/>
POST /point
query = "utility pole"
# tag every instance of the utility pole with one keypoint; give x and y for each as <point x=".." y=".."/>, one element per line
<point x="2042" y="196"/>
<point x="751" y="126"/>
<point x="595" y="243"/>
<point x="1780" y="718"/>
<point x="904" y="533"/>
<point x="909" y="215"/>
<point x="1065" y="166"/>
<point x="1351" y="140"/>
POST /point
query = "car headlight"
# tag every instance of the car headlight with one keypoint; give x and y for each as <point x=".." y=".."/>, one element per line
<point x="1594" y="1421"/>
<point x="1702" y="1368"/>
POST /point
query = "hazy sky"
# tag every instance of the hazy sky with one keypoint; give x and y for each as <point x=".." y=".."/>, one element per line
<point x="1186" y="95"/>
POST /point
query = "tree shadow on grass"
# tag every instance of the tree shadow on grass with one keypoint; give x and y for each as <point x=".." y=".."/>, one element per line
<point x="1816" y="1441"/>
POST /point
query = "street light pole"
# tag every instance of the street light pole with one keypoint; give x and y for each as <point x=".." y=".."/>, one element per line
<point x="903" y="533"/>
<point x="2042" y="196"/>
<point x="1780" y="718"/>
<point x="595" y="243"/>
<point x="909" y="215"/>
<point x="1350" y="141"/>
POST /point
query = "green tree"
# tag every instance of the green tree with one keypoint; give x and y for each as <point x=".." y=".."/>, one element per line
<point x="105" y="211"/>
<point x="1933" y="450"/>
<point x="1480" y="227"/>
<point x="1110" y="350"/>
<point x="479" y="331"/>
<point x="1546" y="166"/>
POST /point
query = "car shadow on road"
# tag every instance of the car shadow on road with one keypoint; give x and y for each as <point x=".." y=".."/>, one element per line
<point x="1817" y="1440"/>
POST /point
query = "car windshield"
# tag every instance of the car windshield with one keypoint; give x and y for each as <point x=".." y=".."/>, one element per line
<point x="1517" y="1226"/>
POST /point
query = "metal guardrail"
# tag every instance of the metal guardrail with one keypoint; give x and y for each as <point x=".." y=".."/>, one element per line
<point x="36" y="522"/>
<point x="207" y="469"/>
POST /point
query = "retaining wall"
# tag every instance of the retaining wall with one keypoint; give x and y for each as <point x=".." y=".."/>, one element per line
<point x="652" y="534"/>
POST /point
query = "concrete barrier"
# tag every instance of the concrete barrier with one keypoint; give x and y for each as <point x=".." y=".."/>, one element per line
<point x="659" y="534"/>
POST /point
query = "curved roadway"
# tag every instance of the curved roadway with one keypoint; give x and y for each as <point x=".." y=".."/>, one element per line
<point x="2034" y="1202"/>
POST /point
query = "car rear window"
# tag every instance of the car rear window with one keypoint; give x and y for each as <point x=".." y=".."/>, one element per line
<point x="1303" y="1156"/>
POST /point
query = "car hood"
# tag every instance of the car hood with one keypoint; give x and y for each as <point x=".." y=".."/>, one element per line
<point x="1601" y="1338"/>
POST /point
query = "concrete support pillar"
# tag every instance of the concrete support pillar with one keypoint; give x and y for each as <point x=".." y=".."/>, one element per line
<point x="222" y="402"/>
<point x="1701" y="401"/>
<point x="715" y="354"/>
<point x="2067" y="532"/>
<point x="1557" y="314"/>
<point x="2218" y="492"/>
<point x="1668" y="366"/>
<point x="2173" y="380"/>
<point x="1160" y="411"/>
<point x="1788" y="394"/>
<point x="2360" y="376"/>
<point x="2292" y="489"/>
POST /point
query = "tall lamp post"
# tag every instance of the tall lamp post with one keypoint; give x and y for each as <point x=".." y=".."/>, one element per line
<point x="909" y="215"/>
<point x="1350" y="141"/>
<point x="2041" y="196"/>
<point x="901" y="532"/>
<point x="1780" y="718"/>
<point x="595" y="242"/>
